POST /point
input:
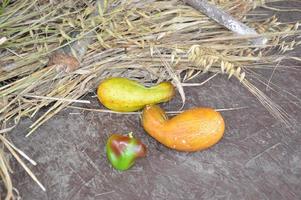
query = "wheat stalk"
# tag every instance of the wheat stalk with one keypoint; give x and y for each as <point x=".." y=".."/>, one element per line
<point x="148" y="41"/>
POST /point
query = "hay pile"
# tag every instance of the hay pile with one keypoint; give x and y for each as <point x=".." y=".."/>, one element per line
<point x="146" y="40"/>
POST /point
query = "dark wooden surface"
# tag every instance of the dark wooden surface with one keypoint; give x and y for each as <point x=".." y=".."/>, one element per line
<point x="258" y="158"/>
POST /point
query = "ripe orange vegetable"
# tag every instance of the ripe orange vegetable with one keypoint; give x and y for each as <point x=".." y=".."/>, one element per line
<point x="192" y="130"/>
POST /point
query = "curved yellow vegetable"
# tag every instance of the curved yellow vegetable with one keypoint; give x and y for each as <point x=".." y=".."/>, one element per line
<point x="124" y="95"/>
<point x="193" y="130"/>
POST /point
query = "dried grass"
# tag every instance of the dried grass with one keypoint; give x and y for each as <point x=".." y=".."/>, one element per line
<point x="144" y="40"/>
<point x="5" y="170"/>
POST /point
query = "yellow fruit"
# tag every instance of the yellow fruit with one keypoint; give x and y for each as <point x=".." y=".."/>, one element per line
<point x="124" y="95"/>
<point x="192" y="130"/>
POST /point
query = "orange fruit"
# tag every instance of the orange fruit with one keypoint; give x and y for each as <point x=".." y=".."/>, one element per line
<point x="193" y="130"/>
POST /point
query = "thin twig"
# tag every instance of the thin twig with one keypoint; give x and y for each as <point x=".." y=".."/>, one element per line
<point x="3" y="40"/>
<point x="12" y="151"/>
<point x="199" y="84"/>
<point x="139" y="112"/>
<point x="57" y="99"/>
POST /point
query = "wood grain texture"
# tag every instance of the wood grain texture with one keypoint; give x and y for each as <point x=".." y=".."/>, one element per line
<point x="256" y="159"/>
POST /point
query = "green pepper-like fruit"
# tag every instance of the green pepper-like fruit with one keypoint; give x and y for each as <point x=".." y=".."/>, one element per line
<point x="122" y="151"/>
<point x="124" y="95"/>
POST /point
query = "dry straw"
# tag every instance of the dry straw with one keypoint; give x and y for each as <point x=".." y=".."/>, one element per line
<point x="145" y="40"/>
